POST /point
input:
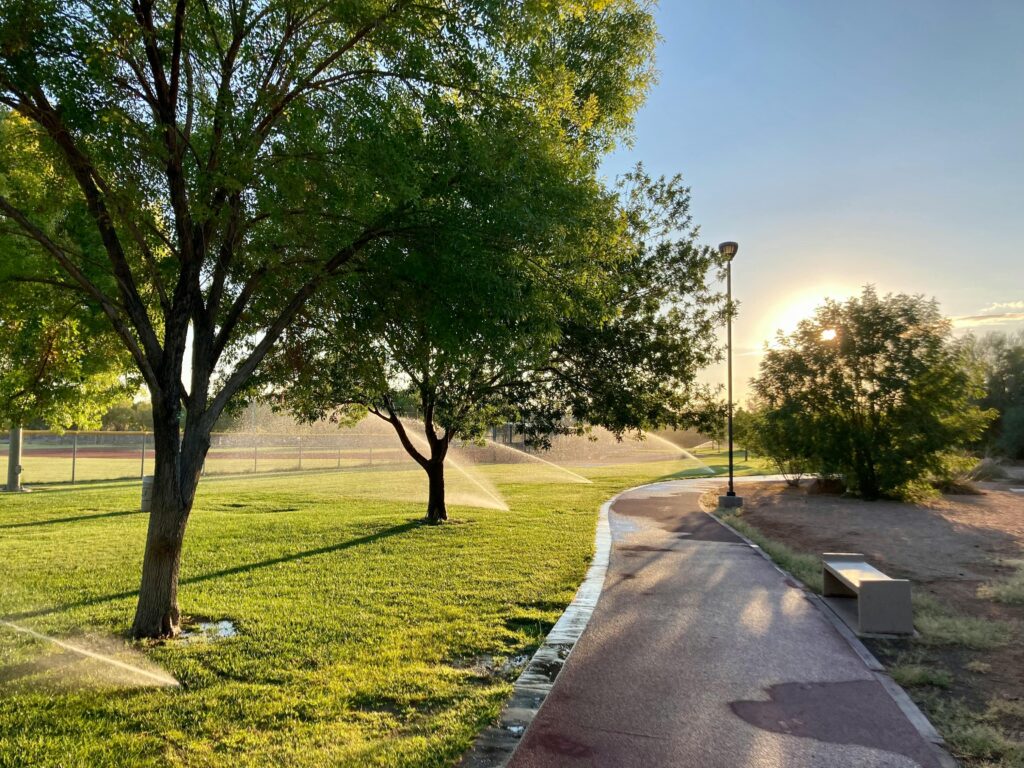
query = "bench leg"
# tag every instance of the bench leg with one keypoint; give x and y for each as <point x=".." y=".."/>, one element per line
<point x="884" y="608"/>
<point x="833" y="587"/>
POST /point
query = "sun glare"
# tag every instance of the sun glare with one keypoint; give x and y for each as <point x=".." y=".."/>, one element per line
<point x="786" y="315"/>
<point x="828" y="334"/>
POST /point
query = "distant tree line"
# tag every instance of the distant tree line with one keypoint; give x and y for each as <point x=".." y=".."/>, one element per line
<point x="1001" y="358"/>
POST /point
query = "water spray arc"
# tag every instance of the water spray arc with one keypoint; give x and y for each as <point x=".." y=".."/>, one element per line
<point x="576" y="478"/>
<point x="704" y="467"/>
<point x="157" y="678"/>
<point x="413" y="431"/>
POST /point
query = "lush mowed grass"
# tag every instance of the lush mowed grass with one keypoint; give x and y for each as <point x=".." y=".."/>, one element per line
<point x="358" y="628"/>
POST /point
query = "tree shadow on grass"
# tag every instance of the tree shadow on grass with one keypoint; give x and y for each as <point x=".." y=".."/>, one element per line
<point x="718" y="471"/>
<point x="695" y="473"/>
<point x="339" y="547"/>
<point x="77" y="518"/>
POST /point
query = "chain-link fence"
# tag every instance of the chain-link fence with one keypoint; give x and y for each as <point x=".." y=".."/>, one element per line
<point x="73" y="457"/>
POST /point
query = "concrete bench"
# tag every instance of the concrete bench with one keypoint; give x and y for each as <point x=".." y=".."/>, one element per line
<point x="883" y="603"/>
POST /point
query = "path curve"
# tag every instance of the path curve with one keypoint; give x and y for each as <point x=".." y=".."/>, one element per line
<point x="700" y="652"/>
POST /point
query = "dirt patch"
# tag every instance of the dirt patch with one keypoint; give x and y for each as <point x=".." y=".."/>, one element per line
<point x="948" y="548"/>
<point x="957" y="538"/>
<point x="488" y="667"/>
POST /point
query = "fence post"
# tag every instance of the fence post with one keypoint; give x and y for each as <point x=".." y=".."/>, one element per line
<point x="300" y="454"/>
<point x="371" y="455"/>
<point x="255" y="451"/>
<point x="142" y="460"/>
<point x="339" y="457"/>
<point x="74" y="455"/>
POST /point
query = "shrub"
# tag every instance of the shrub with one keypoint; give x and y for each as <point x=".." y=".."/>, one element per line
<point x="874" y="389"/>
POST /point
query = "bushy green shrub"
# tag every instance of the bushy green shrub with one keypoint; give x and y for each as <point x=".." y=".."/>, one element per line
<point x="874" y="389"/>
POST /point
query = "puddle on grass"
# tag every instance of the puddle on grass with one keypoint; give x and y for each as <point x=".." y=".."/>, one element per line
<point x="485" y="666"/>
<point x="203" y="631"/>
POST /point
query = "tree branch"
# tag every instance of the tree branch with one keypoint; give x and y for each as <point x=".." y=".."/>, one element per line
<point x="110" y="308"/>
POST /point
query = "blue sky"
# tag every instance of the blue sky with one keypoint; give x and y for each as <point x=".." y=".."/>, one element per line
<point x="847" y="143"/>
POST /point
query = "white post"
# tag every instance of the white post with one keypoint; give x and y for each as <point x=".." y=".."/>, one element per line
<point x="14" y="459"/>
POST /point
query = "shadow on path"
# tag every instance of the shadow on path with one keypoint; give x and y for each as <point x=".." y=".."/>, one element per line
<point x="692" y="629"/>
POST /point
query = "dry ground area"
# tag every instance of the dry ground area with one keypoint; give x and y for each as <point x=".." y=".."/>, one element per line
<point x="965" y="556"/>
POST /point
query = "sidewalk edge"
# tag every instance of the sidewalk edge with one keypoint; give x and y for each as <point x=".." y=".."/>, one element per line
<point x="495" y="744"/>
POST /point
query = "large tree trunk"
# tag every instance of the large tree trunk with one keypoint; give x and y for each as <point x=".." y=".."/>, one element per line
<point x="157" y="613"/>
<point x="175" y="480"/>
<point x="436" y="510"/>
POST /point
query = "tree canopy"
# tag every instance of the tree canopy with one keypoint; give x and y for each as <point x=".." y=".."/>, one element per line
<point x="54" y="369"/>
<point x="559" y="308"/>
<point x="873" y="389"/>
<point x="233" y="158"/>
<point x="60" y="365"/>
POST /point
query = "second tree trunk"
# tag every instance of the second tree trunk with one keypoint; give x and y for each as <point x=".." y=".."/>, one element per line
<point x="436" y="511"/>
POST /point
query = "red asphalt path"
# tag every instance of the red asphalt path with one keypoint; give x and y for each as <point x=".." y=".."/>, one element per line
<point x="701" y="653"/>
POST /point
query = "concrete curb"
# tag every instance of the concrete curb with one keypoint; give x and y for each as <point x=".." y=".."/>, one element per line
<point x="899" y="696"/>
<point x="494" y="745"/>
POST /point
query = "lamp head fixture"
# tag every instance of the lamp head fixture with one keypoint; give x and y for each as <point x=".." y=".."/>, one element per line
<point x="728" y="249"/>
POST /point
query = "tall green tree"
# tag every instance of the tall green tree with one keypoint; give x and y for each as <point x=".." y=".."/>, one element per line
<point x="235" y="157"/>
<point x="60" y="364"/>
<point x="590" y="311"/>
<point x="54" y="368"/>
<point x="128" y="415"/>
<point x="873" y="389"/>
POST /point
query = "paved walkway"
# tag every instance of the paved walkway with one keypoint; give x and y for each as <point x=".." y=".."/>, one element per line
<point x="700" y="653"/>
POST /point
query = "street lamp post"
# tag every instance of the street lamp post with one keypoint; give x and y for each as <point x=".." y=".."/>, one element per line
<point x="728" y="250"/>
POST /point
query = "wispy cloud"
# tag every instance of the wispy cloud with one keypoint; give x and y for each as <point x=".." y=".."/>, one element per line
<point x="1004" y="305"/>
<point x="973" y="321"/>
<point x="996" y="313"/>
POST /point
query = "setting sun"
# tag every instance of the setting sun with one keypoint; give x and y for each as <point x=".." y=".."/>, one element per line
<point x="787" y="314"/>
<point x="828" y="335"/>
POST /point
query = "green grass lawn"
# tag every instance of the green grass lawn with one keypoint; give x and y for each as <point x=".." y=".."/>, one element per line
<point x="361" y="633"/>
<point x="743" y="463"/>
